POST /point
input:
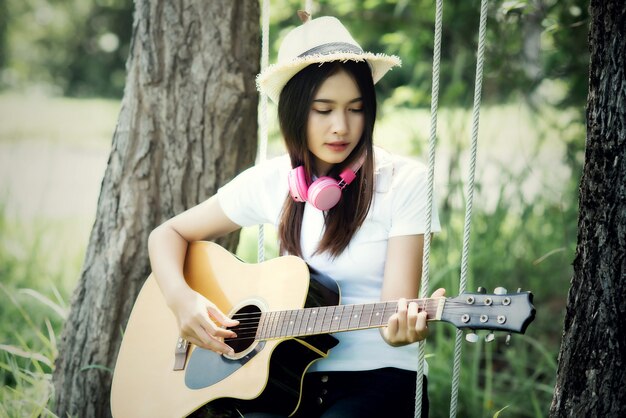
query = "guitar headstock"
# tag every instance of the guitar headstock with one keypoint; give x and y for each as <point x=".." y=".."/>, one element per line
<point x="498" y="311"/>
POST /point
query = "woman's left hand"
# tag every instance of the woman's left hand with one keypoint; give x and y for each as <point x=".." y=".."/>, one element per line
<point x="407" y="325"/>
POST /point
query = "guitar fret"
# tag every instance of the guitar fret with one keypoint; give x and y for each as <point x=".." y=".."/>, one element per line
<point x="274" y="330"/>
<point x="379" y="309"/>
<point x="291" y="324"/>
<point x="366" y="317"/>
<point x="316" y="326"/>
<point x="264" y="325"/>
<point x="390" y="309"/>
<point x="268" y="325"/>
<point x="337" y="318"/>
<point x="329" y="318"/>
<point x="286" y="320"/>
<point x="319" y="321"/>
<point x="369" y="320"/>
<point x="311" y="326"/>
<point x="280" y="324"/>
<point x="345" y="317"/>
<point x="298" y="323"/>
<point x="355" y="316"/>
<point x="305" y="321"/>
<point x="321" y="313"/>
<point x="260" y="331"/>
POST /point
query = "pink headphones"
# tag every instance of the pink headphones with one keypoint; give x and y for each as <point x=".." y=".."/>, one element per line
<point x="325" y="192"/>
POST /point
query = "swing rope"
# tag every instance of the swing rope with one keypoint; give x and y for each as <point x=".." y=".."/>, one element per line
<point x="470" y="197"/>
<point x="434" y="104"/>
<point x="263" y="130"/>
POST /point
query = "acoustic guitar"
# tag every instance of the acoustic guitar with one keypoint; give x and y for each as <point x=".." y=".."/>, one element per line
<point x="286" y="313"/>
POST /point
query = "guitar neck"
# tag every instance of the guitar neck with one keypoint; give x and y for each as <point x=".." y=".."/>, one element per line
<point x="338" y="318"/>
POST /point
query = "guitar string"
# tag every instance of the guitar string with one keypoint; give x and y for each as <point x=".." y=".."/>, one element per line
<point x="251" y="326"/>
<point x="251" y="333"/>
<point x="449" y="305"/>
<point x="279" y="317"/>
<point x="391" y="304"/>
<point x="282" y="326"/>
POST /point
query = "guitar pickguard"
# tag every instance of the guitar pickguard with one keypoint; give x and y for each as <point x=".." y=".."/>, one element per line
<point x="206" y="368"/>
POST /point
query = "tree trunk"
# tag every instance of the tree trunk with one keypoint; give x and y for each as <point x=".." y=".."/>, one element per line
<point x="188" y="124"/>
<point x="591" y="377"/>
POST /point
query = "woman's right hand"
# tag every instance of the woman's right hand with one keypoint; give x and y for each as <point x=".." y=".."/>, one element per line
<point x="201" y="322"/>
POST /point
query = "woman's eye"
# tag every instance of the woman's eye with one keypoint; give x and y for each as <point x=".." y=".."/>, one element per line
<point x="322" y="111"/>
<point x="358" y="110"/>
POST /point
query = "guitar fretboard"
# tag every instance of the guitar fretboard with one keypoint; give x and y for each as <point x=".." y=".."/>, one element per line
<point x="338" y="318"/>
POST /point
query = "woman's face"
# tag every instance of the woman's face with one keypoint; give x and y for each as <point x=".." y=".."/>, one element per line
<point x="336" y="121"/>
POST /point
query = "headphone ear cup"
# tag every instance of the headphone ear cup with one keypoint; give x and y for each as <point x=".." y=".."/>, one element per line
<point x="298" y="188"/>
<point x="324" y="193"/>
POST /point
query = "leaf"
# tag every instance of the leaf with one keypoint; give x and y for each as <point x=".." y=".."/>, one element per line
<point x="61" y="311"/>
<point x="16" y="351"/>
<point x="497" y="414"/>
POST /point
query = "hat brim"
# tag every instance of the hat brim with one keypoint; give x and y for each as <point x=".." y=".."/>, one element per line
<point x="272" y="80"/>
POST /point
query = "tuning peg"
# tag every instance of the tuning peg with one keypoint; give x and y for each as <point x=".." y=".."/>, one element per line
<point x="507" y="341"/>
<point x="471" y="337"/>
<point x="500" y="291"/>
<point x="490" y="337"/>
<point x="481" y="290"/>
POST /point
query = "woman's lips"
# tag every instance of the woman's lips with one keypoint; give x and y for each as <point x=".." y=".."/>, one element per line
<point x="337" y="146"/>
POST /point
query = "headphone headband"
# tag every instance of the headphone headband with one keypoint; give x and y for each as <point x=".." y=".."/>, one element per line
<point x="348" y="175"/>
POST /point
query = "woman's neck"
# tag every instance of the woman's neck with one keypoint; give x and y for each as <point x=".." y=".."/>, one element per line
<point x="322" y="168"/>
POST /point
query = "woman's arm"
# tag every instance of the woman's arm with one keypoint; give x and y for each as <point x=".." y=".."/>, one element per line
<point x="403" y="273"/>
<point x="199" y="320"/>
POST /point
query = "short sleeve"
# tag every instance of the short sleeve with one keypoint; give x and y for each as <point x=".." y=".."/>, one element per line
<point x="256" y="196"/>
<point x="410" y="200"/>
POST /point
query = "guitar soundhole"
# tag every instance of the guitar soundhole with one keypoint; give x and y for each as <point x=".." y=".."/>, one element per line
<point x="248" y="317"/>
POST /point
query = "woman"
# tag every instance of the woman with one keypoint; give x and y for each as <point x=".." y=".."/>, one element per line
<point x="370" y="240"/>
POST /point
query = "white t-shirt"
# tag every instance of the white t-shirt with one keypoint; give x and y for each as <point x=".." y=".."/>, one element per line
<point x="257" y="195"/>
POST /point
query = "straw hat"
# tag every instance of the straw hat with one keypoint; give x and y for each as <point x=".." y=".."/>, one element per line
<point x="319" y="40"/>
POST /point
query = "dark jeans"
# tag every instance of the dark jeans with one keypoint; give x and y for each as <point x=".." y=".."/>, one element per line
<point x="387" y="392"/>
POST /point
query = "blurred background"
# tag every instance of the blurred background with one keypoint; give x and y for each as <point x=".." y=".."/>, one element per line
<point x="62" y="74"/>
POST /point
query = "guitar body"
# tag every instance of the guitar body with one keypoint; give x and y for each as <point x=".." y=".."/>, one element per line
<point x="286" y="313"/>
<point x="263" y="376"/>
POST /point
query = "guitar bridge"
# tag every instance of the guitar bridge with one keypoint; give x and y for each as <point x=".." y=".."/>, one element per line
<point x="180" y="353"/>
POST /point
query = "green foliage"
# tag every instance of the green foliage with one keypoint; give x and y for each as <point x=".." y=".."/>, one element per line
<point x="80" y="47"/>
<point x="4" y="20"/>
<point x="76" y="47"/>
<point x="529" y="43"/>
<point x="518" y="240"/>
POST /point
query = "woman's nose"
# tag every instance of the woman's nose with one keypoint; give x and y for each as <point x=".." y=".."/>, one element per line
<point x="340" y="124"/>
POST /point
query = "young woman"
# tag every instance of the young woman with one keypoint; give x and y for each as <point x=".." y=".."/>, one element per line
<point x="370" y="241"/>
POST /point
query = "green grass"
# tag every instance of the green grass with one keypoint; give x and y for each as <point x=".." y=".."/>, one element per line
<point x="32" y="294"/>
<point x="523" y="235"/>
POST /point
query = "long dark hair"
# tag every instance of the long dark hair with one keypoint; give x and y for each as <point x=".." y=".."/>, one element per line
<point x="294" y="106"/>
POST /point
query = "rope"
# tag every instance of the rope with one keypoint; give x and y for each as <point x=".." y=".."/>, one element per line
<point x="434" y="103"/>
<point x="470" y="198"/>
<point x="308" y="7"/>
<point x="263" y="131"/>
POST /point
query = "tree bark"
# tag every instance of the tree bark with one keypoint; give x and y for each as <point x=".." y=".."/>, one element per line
<point x="187" y="125"/>
<point x="590" y="377"/>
